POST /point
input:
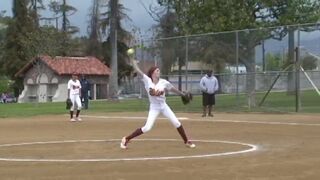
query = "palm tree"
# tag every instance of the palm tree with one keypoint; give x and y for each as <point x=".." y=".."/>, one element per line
<point x="111" y="21"/>
<point x="64" y="10"/>
<point x="34" y="7"/>
<point x="94" y="44"/>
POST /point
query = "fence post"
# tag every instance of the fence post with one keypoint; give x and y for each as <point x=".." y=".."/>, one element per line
<point x="237" y="67"/>
<point x="297" y="70"/>
<point x="179" y="74"/>
<point x="186" y="63"/>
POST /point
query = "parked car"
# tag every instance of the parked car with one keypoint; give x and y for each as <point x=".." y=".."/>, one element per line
<point x="9" y="99"/>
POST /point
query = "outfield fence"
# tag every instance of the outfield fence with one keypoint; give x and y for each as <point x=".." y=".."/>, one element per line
<point x="250" y="64"/>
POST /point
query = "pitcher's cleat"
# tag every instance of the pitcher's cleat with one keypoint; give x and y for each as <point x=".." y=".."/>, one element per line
<point x="123" y="144"/>
<point x="79" y="119"/>
<point x="190" y="144"/>
<point x="72" y="120"/>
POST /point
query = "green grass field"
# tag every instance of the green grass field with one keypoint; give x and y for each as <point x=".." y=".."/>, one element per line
<point x="276" y="102"/>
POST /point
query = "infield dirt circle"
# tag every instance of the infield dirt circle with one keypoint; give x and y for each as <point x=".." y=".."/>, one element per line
<point x="229" y="146"/>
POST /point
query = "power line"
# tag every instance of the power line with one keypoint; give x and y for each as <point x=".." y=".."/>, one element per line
<point x="233" y="31"/>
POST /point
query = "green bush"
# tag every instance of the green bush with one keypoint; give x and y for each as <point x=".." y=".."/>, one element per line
<point x="5" y="84"/>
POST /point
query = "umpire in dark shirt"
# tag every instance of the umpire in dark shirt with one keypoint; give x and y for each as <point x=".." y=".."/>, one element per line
<point x="85" y="90"/>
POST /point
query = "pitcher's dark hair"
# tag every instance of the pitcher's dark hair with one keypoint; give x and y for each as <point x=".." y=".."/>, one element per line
<point x="151" y="70"/>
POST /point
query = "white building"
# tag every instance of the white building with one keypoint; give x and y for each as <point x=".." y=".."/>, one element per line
<point x="45" y="79"/>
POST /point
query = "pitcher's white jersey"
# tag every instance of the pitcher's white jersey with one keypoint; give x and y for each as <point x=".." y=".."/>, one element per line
<point x="162" y="85"/>
<point x="158" y="103"/>
<point x="74" y="87"/>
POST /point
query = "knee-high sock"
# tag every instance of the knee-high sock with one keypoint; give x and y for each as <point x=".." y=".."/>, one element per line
<point x="182" y="134"/>
<point x="135" y="133"/>
<point x="78" y="112"/>
<point x="71" y="114"/>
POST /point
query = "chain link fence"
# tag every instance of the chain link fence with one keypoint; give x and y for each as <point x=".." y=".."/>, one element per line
<point x="263" y="69"/>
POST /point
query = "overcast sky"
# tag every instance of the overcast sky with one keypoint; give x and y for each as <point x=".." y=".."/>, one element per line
<point x="140" y="17"/>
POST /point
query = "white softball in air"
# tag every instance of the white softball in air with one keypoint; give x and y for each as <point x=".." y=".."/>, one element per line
<point x="130" y="51"/>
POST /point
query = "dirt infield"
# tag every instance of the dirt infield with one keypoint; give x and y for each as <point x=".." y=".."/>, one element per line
<point x="229" y="147"/>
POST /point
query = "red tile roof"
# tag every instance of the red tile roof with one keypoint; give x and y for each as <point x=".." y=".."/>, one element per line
<point x="68" y="65"/>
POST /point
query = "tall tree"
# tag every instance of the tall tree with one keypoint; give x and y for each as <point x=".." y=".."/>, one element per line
<point x="114" y="49"/>
<point x="166" y="28"/>
<point x="295" y="12"/>
<point x="44" y="40"/>
<point x="4" y="21"/>
<point x="213" y="16"/>
<point x="94" y="44"/>
<point x="169" y="52"/>
<point x="116" y="34"/>
<point x="17" y="47"/>
<point x="209" y="16"/>
<point x="64" y="10"/>
<point x="35" y="5"/>
<point x="309" y="62"/>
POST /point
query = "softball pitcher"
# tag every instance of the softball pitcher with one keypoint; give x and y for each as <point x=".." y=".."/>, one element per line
<point x="155" y="86"/>
<point x="74" y="93"/>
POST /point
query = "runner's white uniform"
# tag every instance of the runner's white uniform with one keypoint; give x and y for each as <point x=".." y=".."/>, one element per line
<point x="158" y="103"/>
<point x="75" y="87"/>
